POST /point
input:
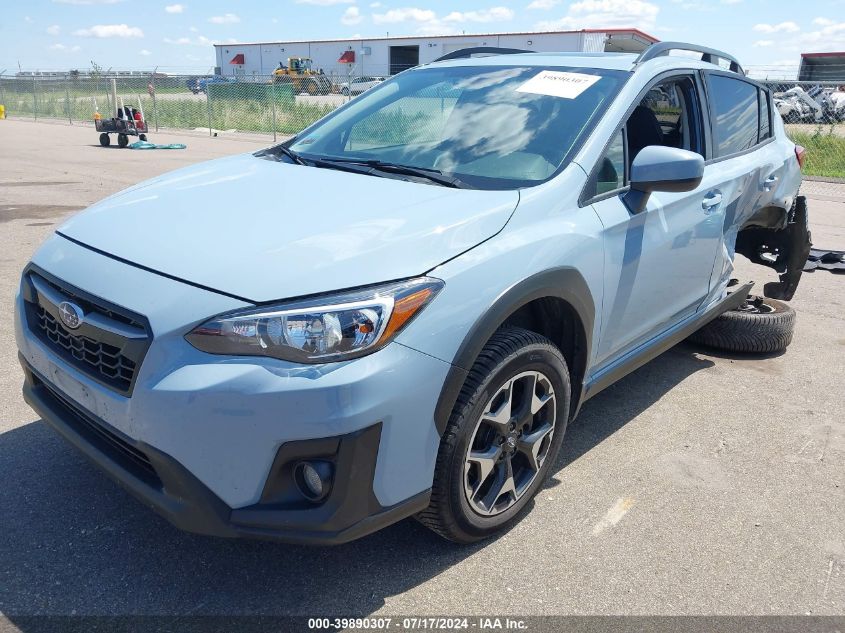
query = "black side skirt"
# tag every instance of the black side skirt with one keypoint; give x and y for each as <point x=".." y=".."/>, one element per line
<point x="648" y="351"/>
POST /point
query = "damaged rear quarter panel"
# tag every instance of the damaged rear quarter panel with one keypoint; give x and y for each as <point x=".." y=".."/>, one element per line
<point x="754" y="202"/>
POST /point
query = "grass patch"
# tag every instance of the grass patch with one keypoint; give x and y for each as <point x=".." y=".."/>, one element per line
<point x="248" y="115"/>
<point x="825" y="152"/>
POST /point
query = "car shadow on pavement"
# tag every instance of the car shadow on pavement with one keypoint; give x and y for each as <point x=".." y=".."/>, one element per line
<point x="74" y="543"/>
<point x="607" y="412"/>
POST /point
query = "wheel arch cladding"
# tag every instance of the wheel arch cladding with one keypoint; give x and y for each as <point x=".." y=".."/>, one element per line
<point x="557" y="304"/>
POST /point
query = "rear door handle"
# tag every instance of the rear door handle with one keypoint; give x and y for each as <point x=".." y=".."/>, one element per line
<point x="769" y="182"/>
<point x="711" y="200"/>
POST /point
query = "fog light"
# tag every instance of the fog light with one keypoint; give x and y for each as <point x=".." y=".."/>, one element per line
<point x="313" y="479"/>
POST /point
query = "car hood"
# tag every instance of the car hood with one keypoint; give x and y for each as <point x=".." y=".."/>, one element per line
<point x="263" y="230"/>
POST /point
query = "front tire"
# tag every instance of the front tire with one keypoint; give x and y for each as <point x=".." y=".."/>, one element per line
<point x="105" y="141"/>
<point x="503" y="435"/>
<point x="122" y="140"/>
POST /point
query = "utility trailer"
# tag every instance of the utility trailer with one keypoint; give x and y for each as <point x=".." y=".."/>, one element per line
<point x="124" y="128"/>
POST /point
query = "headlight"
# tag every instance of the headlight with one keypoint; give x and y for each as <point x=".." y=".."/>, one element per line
<point x="318" y="330"/>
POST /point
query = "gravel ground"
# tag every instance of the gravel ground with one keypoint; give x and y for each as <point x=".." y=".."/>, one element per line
<point x="702" y="483"/>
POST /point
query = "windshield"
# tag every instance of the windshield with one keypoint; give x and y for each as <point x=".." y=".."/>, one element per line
<point x="489" y="127"/>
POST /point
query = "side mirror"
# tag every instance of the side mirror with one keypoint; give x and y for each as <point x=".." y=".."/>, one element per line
<point x="659" y="168"/>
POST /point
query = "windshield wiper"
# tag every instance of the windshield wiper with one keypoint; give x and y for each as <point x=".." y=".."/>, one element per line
<point x="296" y="158"/>
<point x="433" y="175"/>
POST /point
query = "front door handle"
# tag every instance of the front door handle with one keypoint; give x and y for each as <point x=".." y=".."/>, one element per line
<point x="711" y="200"/>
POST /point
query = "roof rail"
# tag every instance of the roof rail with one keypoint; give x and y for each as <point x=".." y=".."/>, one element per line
<point x="465" y="53"/>
<point x="709" y="55"/>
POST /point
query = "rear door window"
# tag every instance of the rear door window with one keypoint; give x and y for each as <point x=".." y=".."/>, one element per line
<point x="735" y="114"/>
<point x="765" y="120"/>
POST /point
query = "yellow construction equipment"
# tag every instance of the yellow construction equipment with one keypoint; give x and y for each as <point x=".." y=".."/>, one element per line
<point x="301" y="75"/>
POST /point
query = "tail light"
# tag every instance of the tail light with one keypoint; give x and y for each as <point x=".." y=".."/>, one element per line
<point x="801" y="155"/>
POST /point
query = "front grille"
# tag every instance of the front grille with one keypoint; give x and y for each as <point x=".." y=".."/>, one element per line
<point x="109" y="344"/>
<point x="102" y="358"/>
<point x="104" y="438"/>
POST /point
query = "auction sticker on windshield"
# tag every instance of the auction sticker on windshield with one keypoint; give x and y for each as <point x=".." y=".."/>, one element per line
<point x="558" y="84"/>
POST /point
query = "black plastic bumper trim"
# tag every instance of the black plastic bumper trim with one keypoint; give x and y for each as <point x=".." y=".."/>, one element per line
<point x="350" y="511"/>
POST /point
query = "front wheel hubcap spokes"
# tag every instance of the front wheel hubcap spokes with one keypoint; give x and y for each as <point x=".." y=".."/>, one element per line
<point x="510" y="443"/>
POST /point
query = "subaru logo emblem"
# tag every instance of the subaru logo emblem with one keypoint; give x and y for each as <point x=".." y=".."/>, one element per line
<point x="71" y="314"/>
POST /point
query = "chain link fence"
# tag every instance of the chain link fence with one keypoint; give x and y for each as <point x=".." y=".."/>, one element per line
<point x="285" y="102"/>
<point x="814" y="115"/>
<point x="277" y="104"/>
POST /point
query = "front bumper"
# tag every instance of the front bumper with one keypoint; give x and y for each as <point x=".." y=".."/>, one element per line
<point x="350" y="510"/>
<point x="212" y="428"/>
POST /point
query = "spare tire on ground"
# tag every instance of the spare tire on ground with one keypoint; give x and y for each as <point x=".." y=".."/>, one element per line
<point x="760" y="325"/>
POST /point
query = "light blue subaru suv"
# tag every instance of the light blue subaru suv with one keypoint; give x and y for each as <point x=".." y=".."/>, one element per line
<point x="397" y="312"/>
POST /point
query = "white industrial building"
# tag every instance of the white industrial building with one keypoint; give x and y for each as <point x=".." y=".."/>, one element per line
<point x="390" y="55"/>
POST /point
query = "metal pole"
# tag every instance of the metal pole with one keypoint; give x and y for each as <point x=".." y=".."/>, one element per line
<point x="2" y="87"/>
<point x="155" y="109"/>
<point x="67" y="101"/>
<point x="34" y="100"/>
<point x="273" y="97"/>
<point x="114" y="96"/>
<point x="208" y="105"/>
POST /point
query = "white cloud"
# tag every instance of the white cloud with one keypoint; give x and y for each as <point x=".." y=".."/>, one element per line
<point x="543" y="4"/>
<point x="696" y="6"/>
<point x="429" y="23"/>
<point x="829" y="38"/>
<point x="604" y="14"/>
<point x="408" y="14"/>
<point x="324" y="3"/>
<point x="783" y="27"/>
<point x="144" y="52"/>
<point x="764" y="43"/>
<point x="110" y="30"/>
<point x="87" y="2"/>
<point x="54" y="29"/>
<point x="62" y="47"/>
<point x="26" y="18"/>
<point x="351" y="16"/>
<point x="201" y="40"/>
<point x="823" y="21"/>
<point x="227" y="18"/>
<point x="175" y="8"/>
<point x="496" y="14"/>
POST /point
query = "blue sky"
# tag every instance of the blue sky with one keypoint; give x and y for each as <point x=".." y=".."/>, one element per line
<point x="142" y="34"/>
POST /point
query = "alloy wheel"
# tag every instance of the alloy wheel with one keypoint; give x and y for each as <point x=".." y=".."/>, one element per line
<point x="510" y="443"/>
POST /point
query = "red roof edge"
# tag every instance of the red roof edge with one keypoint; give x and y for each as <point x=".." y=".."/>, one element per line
<point x="642" y="34"/>
<point x="461" y="35"/>
<point x="238" y="59"/>
<point x="842" y="54"/>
